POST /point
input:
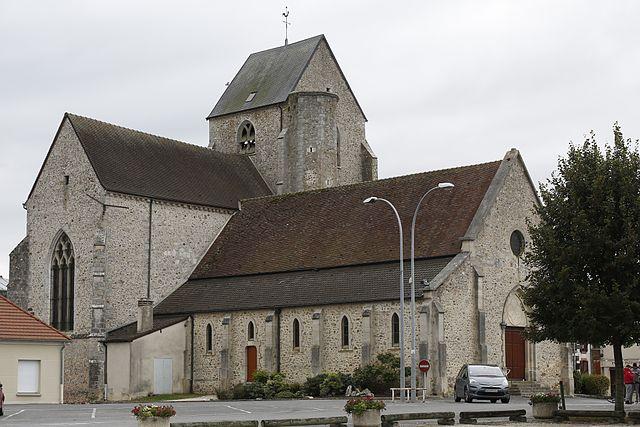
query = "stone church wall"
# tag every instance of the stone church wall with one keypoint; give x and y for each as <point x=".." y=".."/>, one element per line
<point x="457" y="297"/>
<point x="54" y="207"/>
<point x="503" y="271"/>
<point x="296" y="364"/>
<point x="110" y="250"/>
<point x="179" y="238"/>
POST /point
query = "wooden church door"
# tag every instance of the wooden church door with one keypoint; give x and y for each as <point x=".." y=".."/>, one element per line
<point x="252" y="362"/>
<point x="514" y="351"/>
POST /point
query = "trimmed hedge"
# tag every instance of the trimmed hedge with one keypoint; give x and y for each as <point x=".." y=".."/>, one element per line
<point x="595" y="385"/>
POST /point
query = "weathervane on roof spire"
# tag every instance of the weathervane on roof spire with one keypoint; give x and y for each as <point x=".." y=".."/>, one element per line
<point x="286" y="25"/>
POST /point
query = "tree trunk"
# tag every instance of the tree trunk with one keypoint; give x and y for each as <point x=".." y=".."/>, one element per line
<point x="619" y="363"/>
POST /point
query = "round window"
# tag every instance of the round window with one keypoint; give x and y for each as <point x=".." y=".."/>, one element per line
<point x="517" y="243"/>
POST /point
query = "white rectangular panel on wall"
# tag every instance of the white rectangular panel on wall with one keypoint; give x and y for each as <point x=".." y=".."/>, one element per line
<point x="163" y="376"/>
<point x="28" y="376"/>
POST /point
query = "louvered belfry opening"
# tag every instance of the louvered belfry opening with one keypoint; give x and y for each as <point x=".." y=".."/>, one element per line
<point x="62" y="284"/>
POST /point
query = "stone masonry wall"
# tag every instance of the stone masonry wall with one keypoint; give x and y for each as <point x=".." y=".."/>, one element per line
<point x="503" y="271"/>
<point x="295" y="363"/>
<point x="267" y="122"/>
<point x="321" y="74"/>
<point x="54" y="207"/>
<point x="180" y="235"/>
<point x="18" y="288"/>
<point x="457" y="297"/>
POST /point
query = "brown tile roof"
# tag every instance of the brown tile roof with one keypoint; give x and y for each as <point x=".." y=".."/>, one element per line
<point x="353" y="284"/>
<point x="130" y="332"/>
<point x="132" y="162"/>
<point x="332" y="227"/>
<point x="17" y="324"/>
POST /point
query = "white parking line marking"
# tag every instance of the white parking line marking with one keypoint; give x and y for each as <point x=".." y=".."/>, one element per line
<point x="14" y="414"/>
<point x="238" y="409"/>
<point x="93" y="413"/>
<point x="317" y="409"/>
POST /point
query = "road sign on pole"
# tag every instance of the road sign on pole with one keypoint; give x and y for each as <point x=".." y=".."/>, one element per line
<point x="424" y="365"/>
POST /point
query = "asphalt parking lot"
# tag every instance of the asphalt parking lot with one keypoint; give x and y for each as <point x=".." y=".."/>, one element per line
<point x="118" y="414"/>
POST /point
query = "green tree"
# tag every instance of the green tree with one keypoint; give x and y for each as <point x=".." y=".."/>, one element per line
<point x="585" y="252"/>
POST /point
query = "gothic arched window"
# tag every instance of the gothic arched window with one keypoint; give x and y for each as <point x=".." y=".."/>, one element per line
<point x="344" y="328"/>
<point x="247" y="137"/>
<point x="395" y="330"/>
<point x="251" y="331"/>
<point x="62" y="284"/>
<point x="209" y="339"/>
<point x="296" y="333"/>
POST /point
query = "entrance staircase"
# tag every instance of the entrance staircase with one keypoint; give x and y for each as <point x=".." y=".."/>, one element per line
<point x="526" y="388"/>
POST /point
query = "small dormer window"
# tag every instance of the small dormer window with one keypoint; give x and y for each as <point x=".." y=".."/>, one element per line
<point x="250" y="97"/>
<point x="247" y="137"/>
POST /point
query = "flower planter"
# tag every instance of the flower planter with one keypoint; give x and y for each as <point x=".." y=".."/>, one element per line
<point x="543" y="410"/>
<point x="369" y="418"/>
<point x="154" y="422"/>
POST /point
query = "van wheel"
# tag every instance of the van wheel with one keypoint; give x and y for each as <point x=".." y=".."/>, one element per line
<point x="457" y="398"/>
<point x="494" y="400"/>
<point x="505" y="400"/>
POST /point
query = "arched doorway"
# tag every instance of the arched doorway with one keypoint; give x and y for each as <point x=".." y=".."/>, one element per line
<point x="517" y="351"/>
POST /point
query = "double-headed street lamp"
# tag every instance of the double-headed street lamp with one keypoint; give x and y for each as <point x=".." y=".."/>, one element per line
<point x="442" y="185"/>
<point x="371" y="200"/>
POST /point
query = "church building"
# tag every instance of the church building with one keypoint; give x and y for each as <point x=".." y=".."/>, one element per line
<point x="179" y="268"/>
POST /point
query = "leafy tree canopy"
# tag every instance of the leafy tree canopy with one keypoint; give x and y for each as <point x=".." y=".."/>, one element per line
<point x="585" y="252"/>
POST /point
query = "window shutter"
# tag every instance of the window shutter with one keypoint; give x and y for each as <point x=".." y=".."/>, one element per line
<point x="28" y="376"/>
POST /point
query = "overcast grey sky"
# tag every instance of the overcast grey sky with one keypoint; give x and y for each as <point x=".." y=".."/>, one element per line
<point x="443" y="83"/>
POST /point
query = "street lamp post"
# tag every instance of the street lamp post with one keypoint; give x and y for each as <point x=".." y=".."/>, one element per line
<point x="372" y="200"/>
<point x="442" y="185"/>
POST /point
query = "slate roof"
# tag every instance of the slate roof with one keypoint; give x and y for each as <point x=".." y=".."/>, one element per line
<point x="17" y="324"/>
<point x="272" y="74"/>
<point x="363" y="283"/>
<point x="130" y="332"/>
<point x="133" y="162"/>
<point x="332" y="227"/>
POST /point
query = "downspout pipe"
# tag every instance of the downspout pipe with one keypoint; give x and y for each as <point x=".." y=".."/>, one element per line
<point x="149" y="250"/>
<point x="279" y="325"/>
<point x="105" y="371"/>
<point x="192" y="356"/>
<point x="62" y="374"/>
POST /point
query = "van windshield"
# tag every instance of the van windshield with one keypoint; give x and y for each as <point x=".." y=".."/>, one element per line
<point x="485" y="371"/>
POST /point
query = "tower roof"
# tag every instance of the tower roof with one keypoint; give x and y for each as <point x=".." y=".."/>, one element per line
<point x="271" y="74"/>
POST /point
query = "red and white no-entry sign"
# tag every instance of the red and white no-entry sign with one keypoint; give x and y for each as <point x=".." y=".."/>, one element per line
<point x="424" y="365"/>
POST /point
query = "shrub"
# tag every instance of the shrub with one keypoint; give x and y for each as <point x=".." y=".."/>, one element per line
<point x="596" y="385"/>
<point x="577" y="381"/>
<point x="360" y="404"/>
<point x="380" y="375"/>
<point x="295" y="388"/>
<point x="311" y="386"/>
<point x="332" y="385"/>
<point x="224" y="393"/>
